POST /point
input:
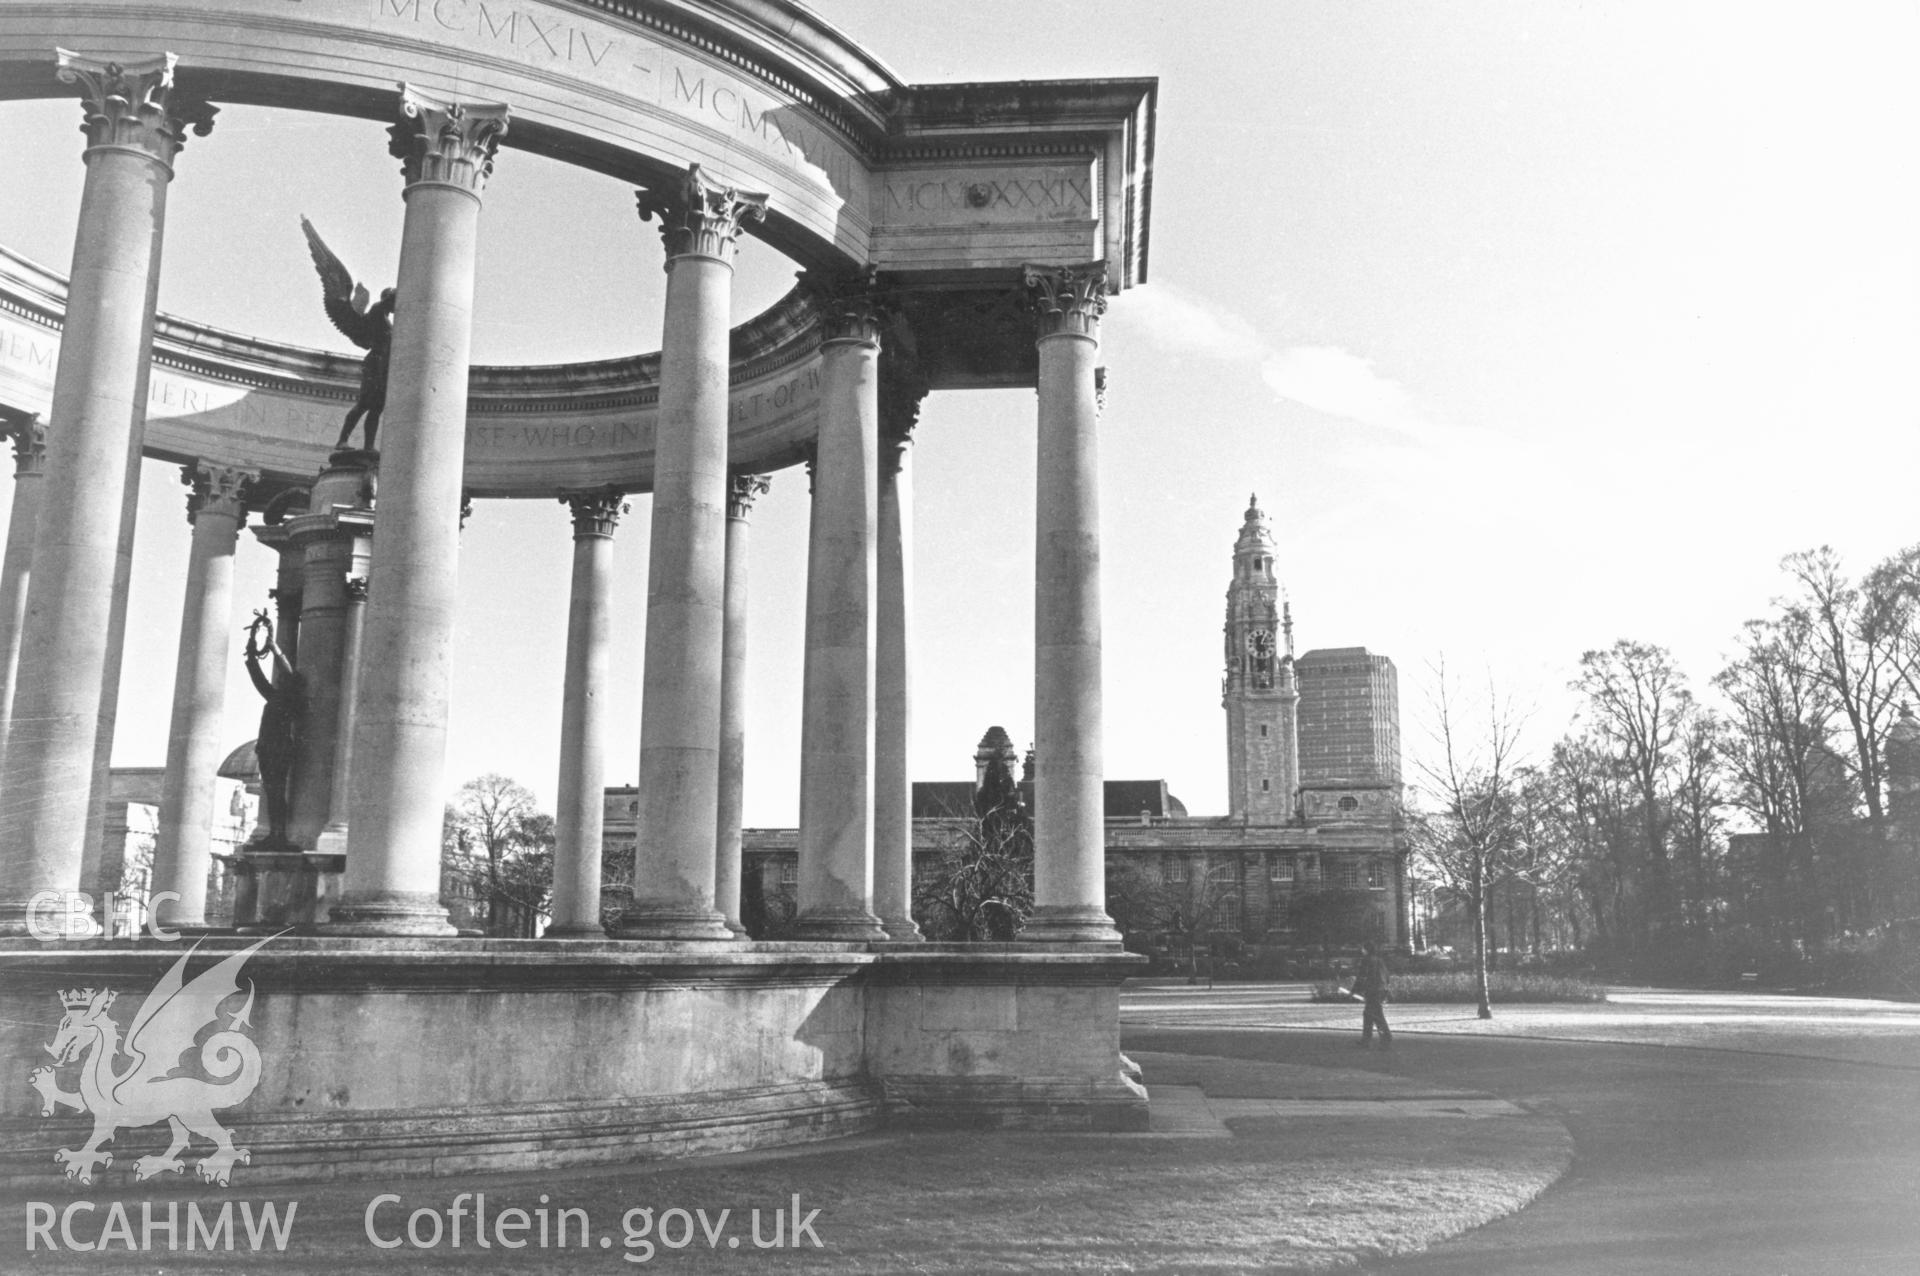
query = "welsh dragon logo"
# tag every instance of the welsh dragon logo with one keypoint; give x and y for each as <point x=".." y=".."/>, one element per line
<point x="149" y="1088"/>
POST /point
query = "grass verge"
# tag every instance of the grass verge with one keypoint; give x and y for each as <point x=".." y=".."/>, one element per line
<point x="1457" y="986"/>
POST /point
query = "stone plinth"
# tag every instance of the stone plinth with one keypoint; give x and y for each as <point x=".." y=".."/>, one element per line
<point x="382" y="1057"/>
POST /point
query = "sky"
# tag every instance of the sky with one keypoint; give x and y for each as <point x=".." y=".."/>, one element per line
<point x="1533" y="325"/>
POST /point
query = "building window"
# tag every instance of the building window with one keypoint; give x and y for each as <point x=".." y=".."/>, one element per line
<point x="1309" y="868"/>
<point x="1263" y="731"/>
<point x="1280" y="869"/>
<point x="1349" y="804"/>
<point x="1176" y="868"/>
<point x="1266" y="786"/>
<point x="1350" y="872"/>
<point x="790" y="870"/>
<point x="1226" y="913"/>
<point x="1377" y="873"/>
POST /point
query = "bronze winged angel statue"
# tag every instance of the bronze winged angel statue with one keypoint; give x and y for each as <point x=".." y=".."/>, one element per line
<point x="369" y="327"/>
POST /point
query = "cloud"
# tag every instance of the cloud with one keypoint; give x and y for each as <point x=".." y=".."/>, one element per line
<point x="1169" y="320"/>
<point x="1338" y="383"/>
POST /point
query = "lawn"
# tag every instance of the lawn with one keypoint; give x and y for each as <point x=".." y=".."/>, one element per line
<point x="1457" y="986"/>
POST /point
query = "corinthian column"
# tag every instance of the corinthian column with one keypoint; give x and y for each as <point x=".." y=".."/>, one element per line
<point x="582" y="808"/>
<point x="733" y="700"/>
<point x="836" y="727"/>
<point x="901" y="389"/>
<point x="1069" y="826"/>
<point x="686" y="569"/>
<point x="392" y="884"/>
<point x="182" y="849"/>
<point x="135" y="125"/>
<point x="29" y="472"/>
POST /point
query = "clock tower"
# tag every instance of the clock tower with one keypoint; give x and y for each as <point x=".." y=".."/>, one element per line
<point x="1259" y="692"/>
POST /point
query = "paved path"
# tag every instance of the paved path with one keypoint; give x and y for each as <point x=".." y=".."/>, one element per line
<point x="1712" y="1132"/>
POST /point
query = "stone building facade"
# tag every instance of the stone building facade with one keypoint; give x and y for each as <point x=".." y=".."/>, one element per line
<point x="1311" y="851"/>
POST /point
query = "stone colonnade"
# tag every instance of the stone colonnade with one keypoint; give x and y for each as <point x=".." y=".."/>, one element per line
<point x="373" y="640"/>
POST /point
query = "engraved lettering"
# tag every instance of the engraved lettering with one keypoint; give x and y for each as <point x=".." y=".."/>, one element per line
<point x="398" y="8"/>
<point x="439" y="16"/>
<point x="586" y="46"/>
<point x="696" y="95"/>
<point x="496" y="30"/>
<point x="544" y="34"/>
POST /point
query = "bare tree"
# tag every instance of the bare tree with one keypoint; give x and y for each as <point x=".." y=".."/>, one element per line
<point x="1638" y="702"/>
<point x="1856" y="645"/>
<point x="1468" y="839"/>
<point x="497" y="840"/>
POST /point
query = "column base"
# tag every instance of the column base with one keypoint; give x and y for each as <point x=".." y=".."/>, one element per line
<point x="902" y="930"/>
<point x="848" y="926"/>
<point x="388" y="913"/>
<point x="332" y="840"/>
<point x="675" y="922"/>
<point x="1070" y="924"/>
<point x="51" y="921"/>
<point x="574" y="932"/>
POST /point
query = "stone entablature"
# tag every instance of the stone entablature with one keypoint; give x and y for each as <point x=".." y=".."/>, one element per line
<point x="859" y="166"/>
<point x="531" y="430"/>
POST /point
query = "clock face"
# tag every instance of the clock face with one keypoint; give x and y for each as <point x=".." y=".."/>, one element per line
<point x="1260" y="643"/>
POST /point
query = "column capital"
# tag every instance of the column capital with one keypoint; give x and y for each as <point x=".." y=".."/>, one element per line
<point x="1068" y="300"/>
<point x="1100" y="390"/>
<point x="903" y="385"/>
<point x="849" y="304"/>
<point x="217" y="489"/>
<point x="28" y="435"/>
<point x="133" y="106"/>
<point x="595" y="513"/>
<point x="698" y="217"/>
<point x="445" y="143"/>
<point x="356" y="589"/>
<point x="743" y="491"/>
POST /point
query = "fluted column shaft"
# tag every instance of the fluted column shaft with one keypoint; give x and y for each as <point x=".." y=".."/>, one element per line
<point x="893" y="693"/>
<point x="134" y="126"/>
<point x="836" y="728"/>
<point x="400" y="723"/>
<point x="29" y="481"/>
<point x="733" y="700"/>
<point x="686" y="587"/>
<point x="1069" y="817"/>
<point x="182" y="849"/>
<point x="583" y="714"/>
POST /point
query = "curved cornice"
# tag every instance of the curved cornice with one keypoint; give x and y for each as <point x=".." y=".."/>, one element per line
<point x="562" y="398"/>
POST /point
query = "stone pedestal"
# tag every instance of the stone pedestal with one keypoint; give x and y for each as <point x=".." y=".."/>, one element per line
<point x="134" y="127"/>
<point x="452" y="1057"/>
<point x="686" y="575"/>
<point x="1069" y="858"/>
<point x="332" y="544"/>
<point x="400" y="721"/>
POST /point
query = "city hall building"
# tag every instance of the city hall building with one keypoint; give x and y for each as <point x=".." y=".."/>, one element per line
<point x="1313" y="769"/>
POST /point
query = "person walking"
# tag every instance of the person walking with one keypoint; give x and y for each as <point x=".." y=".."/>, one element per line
<point x="1370" y="983"/>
